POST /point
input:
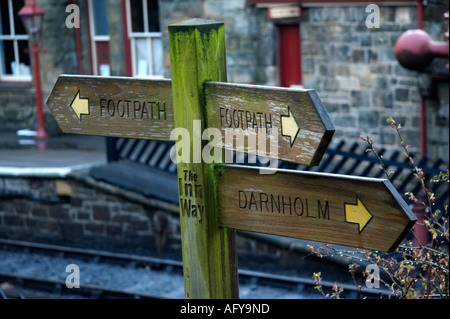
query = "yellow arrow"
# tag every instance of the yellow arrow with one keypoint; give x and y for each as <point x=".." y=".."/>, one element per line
<point x="80" y="106"/>
<point x="289" y="127"/>
<point x="357" y="214"/>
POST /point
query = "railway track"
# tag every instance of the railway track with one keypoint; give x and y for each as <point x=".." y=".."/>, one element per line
<point x="156" y="278"/>
<point x="22" y="287"/>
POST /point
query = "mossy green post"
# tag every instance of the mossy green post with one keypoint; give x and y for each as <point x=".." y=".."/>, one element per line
<point x="197" y="54"/>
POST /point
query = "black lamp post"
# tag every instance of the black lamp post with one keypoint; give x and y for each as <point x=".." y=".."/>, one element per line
<point x="32" y="17"/>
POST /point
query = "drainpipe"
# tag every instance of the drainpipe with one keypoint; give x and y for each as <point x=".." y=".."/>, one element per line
<point x="419" y="14"/>
<point x="79" y="48"/>
<point x="415" y="50"/>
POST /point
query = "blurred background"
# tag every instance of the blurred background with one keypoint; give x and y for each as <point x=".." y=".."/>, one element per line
<point x="105" y="194"/>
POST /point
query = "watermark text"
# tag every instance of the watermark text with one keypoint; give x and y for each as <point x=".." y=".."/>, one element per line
<point x="73" y="279"/>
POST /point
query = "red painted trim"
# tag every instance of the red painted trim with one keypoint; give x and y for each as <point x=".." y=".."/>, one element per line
<point x="77" y="36"/>
<point x="126" y="39"/>
<point x="15" y="83"/>
<point x="323" y="1"/>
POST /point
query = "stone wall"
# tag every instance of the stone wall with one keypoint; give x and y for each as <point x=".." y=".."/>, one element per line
<point x="75" y="213"/>
<point x="438" y="122"/>
<point x="352" y="67"/>
<point x="361" y="83"/>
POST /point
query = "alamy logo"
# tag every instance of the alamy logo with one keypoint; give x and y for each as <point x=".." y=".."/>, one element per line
<point x="73" y="19"/>
<point x="373" y="19"/>
<point x="373" y="276"/>
<point x="73" y="279"/>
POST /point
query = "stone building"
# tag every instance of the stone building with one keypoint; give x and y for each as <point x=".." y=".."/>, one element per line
<point x="334" y="47"/>
<point x="341" y="49"/>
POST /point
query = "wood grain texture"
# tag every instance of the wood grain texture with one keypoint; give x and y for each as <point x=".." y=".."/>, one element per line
<point x="118" y="106"/>
<point x="253" y="109"/>
<point x="311" y="206"/>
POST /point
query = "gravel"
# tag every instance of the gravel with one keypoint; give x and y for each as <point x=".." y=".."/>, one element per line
<point x="165" y="284"/>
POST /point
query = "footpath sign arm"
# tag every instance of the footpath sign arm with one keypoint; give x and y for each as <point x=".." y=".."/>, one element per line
<point x="346" y="210"/>
<point x="113" y="106"/>
<point x="197" y="54"/>
<point x="294" y="123"/>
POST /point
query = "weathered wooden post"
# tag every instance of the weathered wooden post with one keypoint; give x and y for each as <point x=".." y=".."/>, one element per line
<point x="197" y="54"/>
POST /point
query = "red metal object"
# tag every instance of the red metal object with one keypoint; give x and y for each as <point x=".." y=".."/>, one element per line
<point x="89" y="41"/>
<point x="415" y="49"/>
<point x="79" y="50"/>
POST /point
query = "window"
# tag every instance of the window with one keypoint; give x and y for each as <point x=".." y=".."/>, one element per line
<point x="145" y="38"/>
<point x="14" y="57"/>
<point x="98" y="18"/>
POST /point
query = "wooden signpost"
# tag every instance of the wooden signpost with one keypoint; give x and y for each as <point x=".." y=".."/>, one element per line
<point x="113" y="106"/>
<point x="215" y="199"/>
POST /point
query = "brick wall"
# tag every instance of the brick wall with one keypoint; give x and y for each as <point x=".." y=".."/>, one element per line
<point x="353" y="68"/>
<point x="81" y="212"/>
<point x="17" y="100"/>
<point x="17" y="108"/>
<point x="36" y="209"/>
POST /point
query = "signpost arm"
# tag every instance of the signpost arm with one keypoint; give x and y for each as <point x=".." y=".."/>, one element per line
<point x="197" y="54"/>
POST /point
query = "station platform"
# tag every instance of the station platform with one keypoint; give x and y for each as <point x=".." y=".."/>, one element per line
<point x="22" y="154"/>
